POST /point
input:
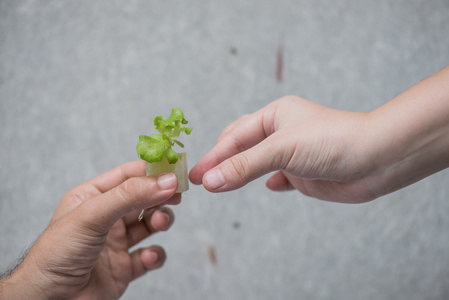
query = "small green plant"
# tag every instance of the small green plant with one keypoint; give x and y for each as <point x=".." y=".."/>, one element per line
<point x="153" y="148"/>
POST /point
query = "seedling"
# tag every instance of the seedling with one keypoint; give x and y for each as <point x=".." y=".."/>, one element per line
<point x="157" y="151"/>
<point x="155" y="147"/>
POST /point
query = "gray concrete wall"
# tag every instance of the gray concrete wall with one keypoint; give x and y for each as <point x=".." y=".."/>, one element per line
<point x="80" y="80"/>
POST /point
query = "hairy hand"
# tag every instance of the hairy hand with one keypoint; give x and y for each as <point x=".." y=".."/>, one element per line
<point x="85" y="251"/>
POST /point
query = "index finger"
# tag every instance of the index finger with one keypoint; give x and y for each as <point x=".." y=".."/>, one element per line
<point x="118" y="175"/>
<point x="239" y="136"/>
<point x="98" y="185"/>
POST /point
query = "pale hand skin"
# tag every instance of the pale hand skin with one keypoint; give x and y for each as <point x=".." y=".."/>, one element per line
<point x="84" y="252"/>
<point x="335" y="155"/>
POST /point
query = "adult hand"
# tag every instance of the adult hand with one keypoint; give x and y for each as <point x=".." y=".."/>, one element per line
<point x="84" y="252"/>
<point x="313" y="147"/>
<point x="333" y="154"/>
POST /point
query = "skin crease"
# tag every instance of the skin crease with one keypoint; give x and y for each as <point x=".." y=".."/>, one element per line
<point x="84" y="252"/>
<point x="335" y="155"/>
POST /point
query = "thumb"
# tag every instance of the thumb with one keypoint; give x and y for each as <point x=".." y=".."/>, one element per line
<point x="246" y="166"/>
<point x="101" y="212"/>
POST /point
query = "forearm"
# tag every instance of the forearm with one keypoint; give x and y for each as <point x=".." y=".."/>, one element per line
<point x="23" y="281"/>
<point x="408" y="137"/>
<point x="20" y="284"/>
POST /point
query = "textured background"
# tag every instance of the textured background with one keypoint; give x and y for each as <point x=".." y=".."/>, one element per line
<point x="80" y="80"/>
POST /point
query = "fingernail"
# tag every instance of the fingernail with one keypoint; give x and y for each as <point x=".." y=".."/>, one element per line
<point x="167" y="181"/>
<point x="154" y="255"/>
<point x="166" y="215"/>
<point x="214" y="179"/>
<point x="149" y="258"/>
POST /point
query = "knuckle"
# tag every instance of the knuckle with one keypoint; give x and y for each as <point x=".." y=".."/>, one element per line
<point x="239" y="166"/>
<point x="289" y="99"/>
<point x="236" y="142"/>
<point x="129" y="189"/>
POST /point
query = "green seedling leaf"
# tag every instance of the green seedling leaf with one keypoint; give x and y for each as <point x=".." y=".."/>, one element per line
<point x="172" y="156"/>
<point x="179" y="143"/>
<point x="153" y="148"/>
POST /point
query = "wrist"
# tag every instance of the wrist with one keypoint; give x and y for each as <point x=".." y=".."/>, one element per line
<point x="408" y="138"/>
<point x="22" y="283"/>
<point x="388" y="155"/>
